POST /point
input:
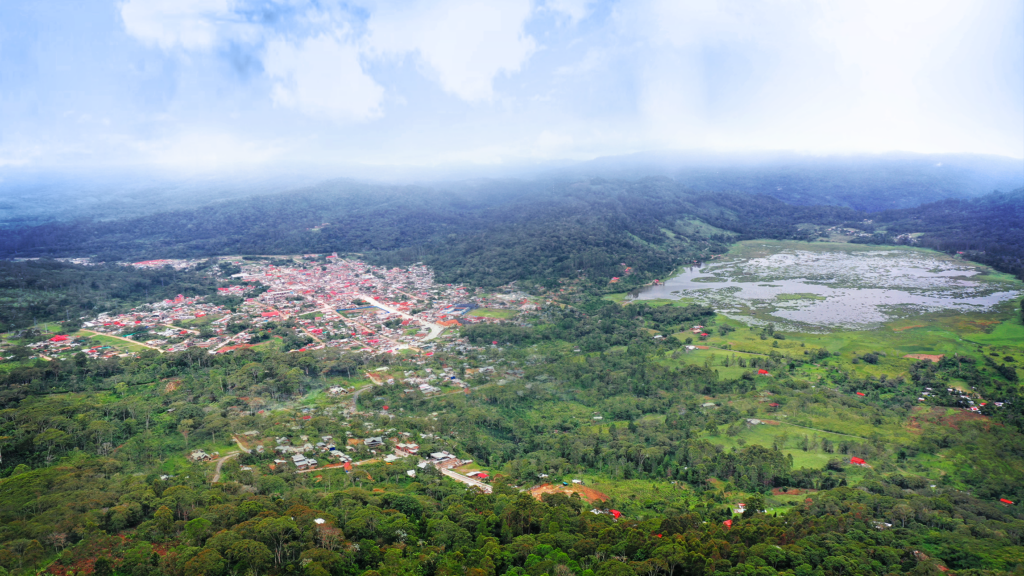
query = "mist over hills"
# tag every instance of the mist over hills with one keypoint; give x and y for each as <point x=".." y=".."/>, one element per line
<point x="864" y="182"/>
<point x="30" y="197"/>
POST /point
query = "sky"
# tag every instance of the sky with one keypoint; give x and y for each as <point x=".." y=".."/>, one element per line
<point x="193" y="85"/>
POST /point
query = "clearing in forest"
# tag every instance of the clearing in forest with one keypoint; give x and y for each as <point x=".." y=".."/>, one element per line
<point x="586" y="493"/>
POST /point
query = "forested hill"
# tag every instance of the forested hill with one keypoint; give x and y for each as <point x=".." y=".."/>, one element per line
<point x="485" y="233"/>
<point x="989" y="229"/>
<point x="865" y="182"/>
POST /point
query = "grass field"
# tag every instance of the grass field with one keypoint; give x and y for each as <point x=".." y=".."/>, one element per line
<point x="975" y="335"/>
<point x="492" y="313"/>
<point x="101" y="340"/>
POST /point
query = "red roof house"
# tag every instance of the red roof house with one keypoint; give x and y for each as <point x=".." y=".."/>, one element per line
<point x="857" y="461"/>
<point x="615" y="514"/>
<point x="58" y="338"/>
<point x="861" y="394"/>
<point x="1005" y="501"/>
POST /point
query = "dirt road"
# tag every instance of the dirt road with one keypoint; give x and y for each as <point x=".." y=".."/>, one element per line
<point x="220" y="463"/>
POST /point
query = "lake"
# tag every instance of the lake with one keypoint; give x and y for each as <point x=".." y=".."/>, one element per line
<point x="834" y="286"/>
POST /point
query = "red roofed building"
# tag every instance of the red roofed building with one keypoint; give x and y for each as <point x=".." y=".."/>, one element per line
<point x="762" y="372"/>
<point x="861" y="394"/>
<point x="857" y="461"/>
<point x="58" y="338"/>
<point x="615" y="514"/>
<point x="728" y="523"/>
<point x="1005" y="501"/>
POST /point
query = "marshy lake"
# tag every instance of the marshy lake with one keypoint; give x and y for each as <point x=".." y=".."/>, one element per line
<point x="819" y="286"/>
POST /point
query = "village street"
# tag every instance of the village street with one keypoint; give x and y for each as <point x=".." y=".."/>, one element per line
<point x="435" y="329"/>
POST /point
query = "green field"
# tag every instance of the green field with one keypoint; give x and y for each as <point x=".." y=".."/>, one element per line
<point x="101" y="340"/>
<point x="492" y="313"/>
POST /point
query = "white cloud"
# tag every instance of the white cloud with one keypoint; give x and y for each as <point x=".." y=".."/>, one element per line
<point x="322" y="76"/>
<point x="191" y="24"/>
<point x="201" y="150"/>
<point x="553" y="144"/>
<point x="576" y="9"/>
<point x="466" y="43"/>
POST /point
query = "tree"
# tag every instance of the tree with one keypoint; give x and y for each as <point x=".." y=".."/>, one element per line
<point x="755" y="505"/>
<point x="251" y="554"/>
<point x="185" y="428"/>
<point x="208" y="562"/>
<point x="164" y="520"/>
<point x="103" y="567"/>
<point x="198" y="530"/>
<point x="275" y="533"/>
<point x="51" y="437"/>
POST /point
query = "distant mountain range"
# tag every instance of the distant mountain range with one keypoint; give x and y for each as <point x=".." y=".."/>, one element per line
<point x="29" y="197"/>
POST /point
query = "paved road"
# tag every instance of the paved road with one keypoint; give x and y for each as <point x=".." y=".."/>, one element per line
<point x="173" y="327"/>
<point x="435" y="329"/>
<point x="216" y="473"/>
<point x="467" y="480"/>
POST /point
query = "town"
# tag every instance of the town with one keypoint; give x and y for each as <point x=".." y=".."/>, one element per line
<point x="344" y="304"/>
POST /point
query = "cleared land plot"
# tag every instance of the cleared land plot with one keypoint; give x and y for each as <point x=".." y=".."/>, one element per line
<point x="587" y="493"/>
<point x="492" y="313"/>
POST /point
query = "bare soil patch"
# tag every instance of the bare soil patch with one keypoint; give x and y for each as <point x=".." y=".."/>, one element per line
<point x="937" y="415"/>
<point x="932" y="357"/>
<point x="585" y="492"/>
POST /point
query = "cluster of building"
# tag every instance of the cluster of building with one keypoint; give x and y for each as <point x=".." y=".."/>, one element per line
<point x="302" y="456"/>
<point x="345" y="304"/>
<point x="61" y="344"/>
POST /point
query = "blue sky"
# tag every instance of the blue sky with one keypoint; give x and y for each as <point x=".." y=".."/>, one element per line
<point x="232" y="84"/>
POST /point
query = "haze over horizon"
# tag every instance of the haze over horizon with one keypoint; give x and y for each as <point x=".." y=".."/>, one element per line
<point x="211" y="85"/>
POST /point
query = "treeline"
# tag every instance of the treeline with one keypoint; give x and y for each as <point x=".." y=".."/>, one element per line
<point x="989" y="230"/>
<point x="185" y="527"/>
<point x="43" y="290"/>
<point x="595" y="326"/>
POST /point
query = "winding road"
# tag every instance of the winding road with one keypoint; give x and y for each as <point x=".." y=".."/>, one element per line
<point x="220" y="463"/>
